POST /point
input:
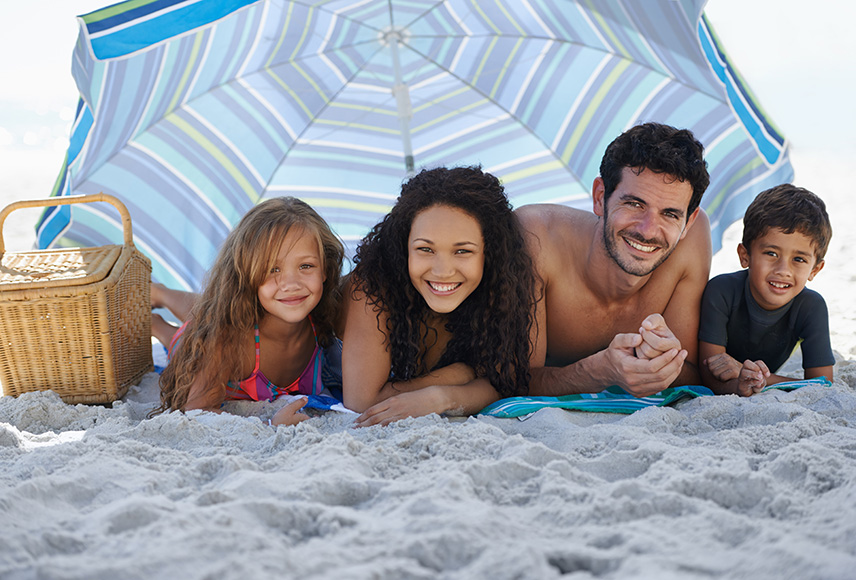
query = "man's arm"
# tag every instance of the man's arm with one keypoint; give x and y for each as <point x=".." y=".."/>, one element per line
<point x="684" y="309"/>
<point x="615" y="365"/>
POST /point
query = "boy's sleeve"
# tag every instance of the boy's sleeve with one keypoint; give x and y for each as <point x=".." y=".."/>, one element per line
<point x="715" y="311"/>
<point x="814" y="332"/>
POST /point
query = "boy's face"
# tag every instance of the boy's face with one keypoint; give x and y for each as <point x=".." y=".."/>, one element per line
<point x="779" y="265"/>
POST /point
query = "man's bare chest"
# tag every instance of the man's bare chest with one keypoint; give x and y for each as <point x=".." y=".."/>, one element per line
<point x="580" y="324"/>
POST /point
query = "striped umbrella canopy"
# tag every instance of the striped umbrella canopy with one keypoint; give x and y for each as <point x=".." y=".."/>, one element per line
<point x="192" y="111"/>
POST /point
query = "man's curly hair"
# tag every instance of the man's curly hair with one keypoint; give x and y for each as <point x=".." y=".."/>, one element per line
<point x="661" y="149"/>
<point x="490" y="328"/>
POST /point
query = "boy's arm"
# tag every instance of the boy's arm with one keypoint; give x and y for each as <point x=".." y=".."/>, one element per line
<point x="724" y="375"/>
<point x="815" y="372"/>
<point x="811" y="373"/>
<point x="719" y="372"/>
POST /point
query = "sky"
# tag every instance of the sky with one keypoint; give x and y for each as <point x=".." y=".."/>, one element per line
<point x="798" y="57"/>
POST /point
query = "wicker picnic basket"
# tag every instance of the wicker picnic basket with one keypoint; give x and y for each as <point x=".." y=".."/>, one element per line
<point x="75" y="320"/>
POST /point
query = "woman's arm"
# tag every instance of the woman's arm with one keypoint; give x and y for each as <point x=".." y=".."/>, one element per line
<point x="464" y="399"/>
<point x="366" y="364"/>
<point x="365" y="357"/>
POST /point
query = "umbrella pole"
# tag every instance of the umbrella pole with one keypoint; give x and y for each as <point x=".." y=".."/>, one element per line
<point x="402" y="100"/>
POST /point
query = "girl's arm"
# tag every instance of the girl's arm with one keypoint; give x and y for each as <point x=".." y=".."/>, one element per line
<point x="204" y="395"/>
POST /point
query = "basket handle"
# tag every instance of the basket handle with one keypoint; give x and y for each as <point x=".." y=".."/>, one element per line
<point x="68" y="200"/>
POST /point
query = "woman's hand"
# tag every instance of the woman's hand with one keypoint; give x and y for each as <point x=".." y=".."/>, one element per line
<point x="290" y="415"/>
<point x="412" y="404"/>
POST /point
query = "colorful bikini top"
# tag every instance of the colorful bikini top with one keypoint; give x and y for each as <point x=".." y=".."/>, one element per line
<point x="257" y="387"/>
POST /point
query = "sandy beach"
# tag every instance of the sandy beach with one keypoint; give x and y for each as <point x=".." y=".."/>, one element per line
<point x="712" y="488"/>
<point x="716" y="487"/>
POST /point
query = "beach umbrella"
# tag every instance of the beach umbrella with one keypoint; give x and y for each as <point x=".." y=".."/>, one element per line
<point x="193" y="111"/>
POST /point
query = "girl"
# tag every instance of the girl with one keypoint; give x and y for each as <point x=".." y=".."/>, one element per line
<point x="440" y="310"/>
<point x="259" y="327"/>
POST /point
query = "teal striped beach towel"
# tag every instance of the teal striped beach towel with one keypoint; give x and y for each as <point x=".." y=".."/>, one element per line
<point x="617" y="400"/>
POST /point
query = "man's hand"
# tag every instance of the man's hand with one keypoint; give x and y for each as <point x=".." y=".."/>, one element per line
<point x="657" y="338"/>
<point x="642" y="377"/>
<point x="753" y="378"/>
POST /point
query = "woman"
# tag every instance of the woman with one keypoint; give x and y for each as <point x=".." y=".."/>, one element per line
<point x="439" y="309"/>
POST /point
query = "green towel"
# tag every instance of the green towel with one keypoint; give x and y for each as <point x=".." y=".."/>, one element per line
<point x="617" y="400"/>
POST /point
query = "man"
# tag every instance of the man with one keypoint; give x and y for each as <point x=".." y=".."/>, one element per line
<point x="621" y="295"/>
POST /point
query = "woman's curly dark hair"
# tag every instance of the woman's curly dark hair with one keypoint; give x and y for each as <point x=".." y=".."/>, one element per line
<point x="490" y="328"/>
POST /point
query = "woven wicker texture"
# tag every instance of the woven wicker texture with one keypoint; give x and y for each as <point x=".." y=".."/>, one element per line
<point x="88" y="341"/>
<point x="78" y="266"/>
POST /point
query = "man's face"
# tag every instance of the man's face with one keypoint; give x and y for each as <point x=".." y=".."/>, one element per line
<point x="644" y="219"/>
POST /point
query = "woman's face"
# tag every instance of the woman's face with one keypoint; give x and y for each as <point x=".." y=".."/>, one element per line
<point x="445" y="256"/>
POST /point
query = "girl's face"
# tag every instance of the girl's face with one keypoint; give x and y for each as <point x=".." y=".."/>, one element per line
<point x="445" y="256"/>
<point x="294" y="284"/>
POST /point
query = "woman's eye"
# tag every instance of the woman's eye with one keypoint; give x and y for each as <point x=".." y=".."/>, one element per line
<point x="274" y="270"/>
<point x="424" y="249"/>
<point x="463" y="251"/>
<point x="307" y="266"/>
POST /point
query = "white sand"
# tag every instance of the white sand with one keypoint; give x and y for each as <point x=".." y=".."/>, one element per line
<point x="719" y="487"/>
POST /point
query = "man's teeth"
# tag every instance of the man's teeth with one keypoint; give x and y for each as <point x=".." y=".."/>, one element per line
<point x="640" y="247"/>
<point x="444" y="287"/>
<point x="779" y="285"/>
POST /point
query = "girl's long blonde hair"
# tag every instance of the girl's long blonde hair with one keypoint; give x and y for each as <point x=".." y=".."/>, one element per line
<point x="229" y="307"/>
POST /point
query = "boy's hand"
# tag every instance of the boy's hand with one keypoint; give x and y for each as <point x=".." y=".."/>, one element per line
<point x="753" y="378"/>
<point x="657" y="338"/>
<point x="723" y="367"/>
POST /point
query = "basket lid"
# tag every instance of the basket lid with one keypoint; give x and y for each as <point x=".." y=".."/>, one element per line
<point x="55" y="268"/>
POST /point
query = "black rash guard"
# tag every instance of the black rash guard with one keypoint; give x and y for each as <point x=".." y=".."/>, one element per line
<point x="730" y="317"/>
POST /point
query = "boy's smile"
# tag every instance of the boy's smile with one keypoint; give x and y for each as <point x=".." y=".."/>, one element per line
<point x="779" y="265"/>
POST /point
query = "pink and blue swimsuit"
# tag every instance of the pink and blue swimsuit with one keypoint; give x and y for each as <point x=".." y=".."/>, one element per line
<point x="257" y="387"/>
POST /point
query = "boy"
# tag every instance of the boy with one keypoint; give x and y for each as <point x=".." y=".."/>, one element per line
<point x="752" y="320"/>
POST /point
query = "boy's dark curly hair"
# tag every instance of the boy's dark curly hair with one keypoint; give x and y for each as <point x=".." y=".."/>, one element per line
<point x="661" y="149"/>
<point x="490" y="329"/>
<point x="791" y="209"/>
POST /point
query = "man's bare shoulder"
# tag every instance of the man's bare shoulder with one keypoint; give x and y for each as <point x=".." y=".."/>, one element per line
<point x="556" y="223"/>
<point x="541" y="213"/>
<point x="693" y="253"/>
<point x="557" y="236"/>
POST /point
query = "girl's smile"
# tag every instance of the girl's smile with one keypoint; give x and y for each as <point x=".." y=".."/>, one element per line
<point x="295" y="282"/>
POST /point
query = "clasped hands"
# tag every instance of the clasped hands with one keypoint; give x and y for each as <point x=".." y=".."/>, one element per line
<point x="646" y="362"/>
<point x="751" y="376"/>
